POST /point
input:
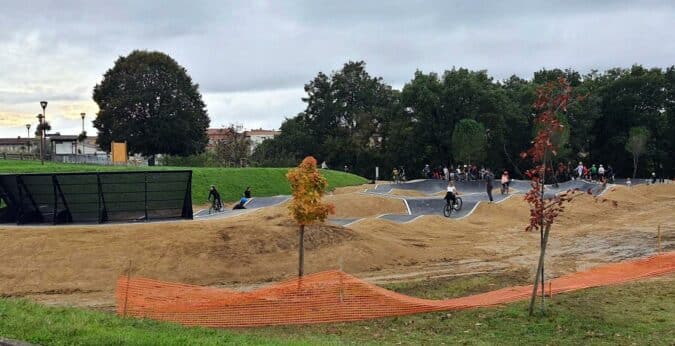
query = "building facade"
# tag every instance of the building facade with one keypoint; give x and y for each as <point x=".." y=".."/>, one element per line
<point x="256" y="137"/>
<point x="19" y="145"/>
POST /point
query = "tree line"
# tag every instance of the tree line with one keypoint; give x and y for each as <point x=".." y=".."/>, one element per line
<point x="467" y="117"/>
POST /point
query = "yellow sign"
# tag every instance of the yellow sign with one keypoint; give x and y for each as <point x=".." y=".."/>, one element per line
<point x="118" y="151"/>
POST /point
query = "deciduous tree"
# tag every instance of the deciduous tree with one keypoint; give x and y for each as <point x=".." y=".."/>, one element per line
<point x="150" y="101"/>
<point x="306" y="207"/>
<point x="469" y="142"/>
<point x="637" y="144"/>
<point x="552" y="98"/>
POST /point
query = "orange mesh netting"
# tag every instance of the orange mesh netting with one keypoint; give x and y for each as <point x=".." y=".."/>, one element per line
<point x="334" y="296"/>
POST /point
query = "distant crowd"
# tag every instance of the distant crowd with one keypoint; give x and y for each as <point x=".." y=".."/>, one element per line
<point x="554" y="174"/>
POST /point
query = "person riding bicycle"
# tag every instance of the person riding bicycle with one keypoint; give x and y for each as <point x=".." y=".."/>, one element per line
<point x="217" y="202"/>
<point x="451" y="195"/>
<point x="505" y="180"/>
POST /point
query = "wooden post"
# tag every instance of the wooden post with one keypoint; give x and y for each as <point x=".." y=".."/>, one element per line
<point x="659" y="238"/>
<point x="301" y="254"/>
<point x="126" y="293"/>
<point x="550" y="289"/>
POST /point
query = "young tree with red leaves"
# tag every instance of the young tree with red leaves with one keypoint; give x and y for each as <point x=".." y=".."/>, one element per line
<point x="308" y="186"/>
<point x="552" y="98"/>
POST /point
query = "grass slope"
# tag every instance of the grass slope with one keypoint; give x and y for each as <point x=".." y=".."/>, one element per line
<point x="230" y="182"/>
<point x="34" y="323"/>
<point x="639" y="313"/>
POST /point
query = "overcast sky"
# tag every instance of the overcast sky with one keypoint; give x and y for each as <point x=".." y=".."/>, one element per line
<point x="252" y="58"/>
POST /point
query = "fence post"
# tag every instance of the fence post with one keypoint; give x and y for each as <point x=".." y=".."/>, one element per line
<point x="19" y="216"/>
<point x="126" y="293"/>
<point x="56" y="199"/>
<point x="146" y="195"/>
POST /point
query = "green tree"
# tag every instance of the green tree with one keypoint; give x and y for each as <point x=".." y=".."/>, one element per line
<point x="284" y="150"/>
<point x="44" y="126"/>
<point x="344" y="116"/>
<point x="637" y="144"/>
<point x="149" y="101"/>
<point x="630" y="97"/>
<point x="469" y="142"/>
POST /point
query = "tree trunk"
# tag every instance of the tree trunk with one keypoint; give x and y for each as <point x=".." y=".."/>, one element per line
<point x="540" y="270"/>
<point x="635" y="163"/>
<point x="542" y="244"/>
<point x="301" y="252"/>
<point x="508" y="157"/>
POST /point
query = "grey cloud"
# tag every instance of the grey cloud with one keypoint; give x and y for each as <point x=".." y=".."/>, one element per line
<point x="261" y="49"/>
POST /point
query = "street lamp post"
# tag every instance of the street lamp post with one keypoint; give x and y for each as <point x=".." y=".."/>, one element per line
<point x="83" y="138"/>
<point x="43" y="104"/>
<point x="41" y="130"/>
<point x="28" y="136"/>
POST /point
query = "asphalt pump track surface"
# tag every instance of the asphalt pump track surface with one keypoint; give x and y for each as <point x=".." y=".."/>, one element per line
<point x="472" y="193"/>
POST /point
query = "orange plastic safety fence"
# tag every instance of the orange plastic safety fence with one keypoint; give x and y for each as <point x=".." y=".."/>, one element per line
<point x="334" y="296"/>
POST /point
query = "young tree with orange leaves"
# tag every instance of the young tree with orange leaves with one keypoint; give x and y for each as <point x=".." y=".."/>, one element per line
<point x="552" y="98"/>
<point x="308" y="186"/>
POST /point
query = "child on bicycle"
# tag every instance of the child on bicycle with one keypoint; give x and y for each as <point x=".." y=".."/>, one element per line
<point x="451" y="194"/>
<point x="217" y="202"/>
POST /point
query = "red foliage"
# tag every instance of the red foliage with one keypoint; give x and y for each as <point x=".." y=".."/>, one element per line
<point x="553" y="97"/>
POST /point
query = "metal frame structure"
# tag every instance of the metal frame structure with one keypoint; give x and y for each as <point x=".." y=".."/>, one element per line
<point x="63" y="198"/>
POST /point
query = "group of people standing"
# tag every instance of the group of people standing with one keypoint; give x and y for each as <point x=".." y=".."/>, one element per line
<point x="460" y="173"/>
<point x="593" y="173"/>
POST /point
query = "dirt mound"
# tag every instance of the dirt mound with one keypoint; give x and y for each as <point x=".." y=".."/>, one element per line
<point x="361" y="205"/>
<point x="244" y="248"/>
<point x="351" y="189"/>
<point x="83" y="262"/>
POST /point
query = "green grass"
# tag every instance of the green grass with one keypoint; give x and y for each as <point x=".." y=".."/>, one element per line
<point x="230" y="182"/>
<point x="34" y="323"/>
<point x="641" y="313"/>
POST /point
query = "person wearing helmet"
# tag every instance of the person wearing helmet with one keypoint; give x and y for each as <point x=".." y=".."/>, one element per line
<point x="217" y="202"/>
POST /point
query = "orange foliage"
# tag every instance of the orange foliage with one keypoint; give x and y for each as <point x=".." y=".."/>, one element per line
<point x="308" y="186"/>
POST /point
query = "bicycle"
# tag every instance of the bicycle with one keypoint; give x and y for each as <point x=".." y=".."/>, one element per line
<point x="216" y="206"/>
<point x="456" y="206"/>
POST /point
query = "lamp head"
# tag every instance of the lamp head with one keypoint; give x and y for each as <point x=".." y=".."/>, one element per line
<point x="43" y="104"/>
<point x="82" y="115"/>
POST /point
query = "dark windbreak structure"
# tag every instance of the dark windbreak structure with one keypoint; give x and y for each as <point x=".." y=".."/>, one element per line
<point x="95" y="197"/>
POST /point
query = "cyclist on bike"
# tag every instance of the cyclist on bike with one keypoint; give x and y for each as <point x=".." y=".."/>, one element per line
<point x="451" y="195"/>
<point x="217" y="202"/>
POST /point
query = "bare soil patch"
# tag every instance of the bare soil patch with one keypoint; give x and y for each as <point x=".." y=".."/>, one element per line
<point x="78" y="265"/>
<point x="358" y="205"/>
